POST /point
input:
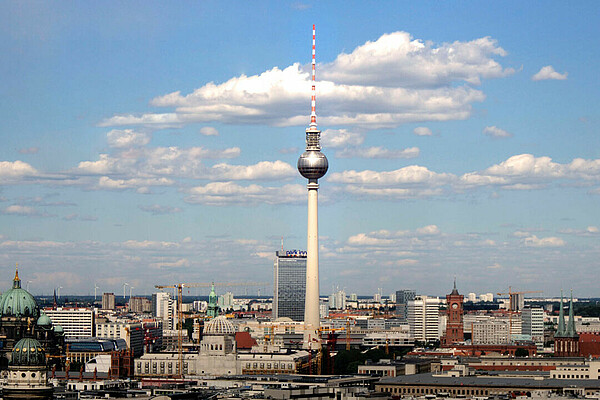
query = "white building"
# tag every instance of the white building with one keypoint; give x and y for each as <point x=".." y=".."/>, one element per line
<point x="131" y="332"/>
<point x="225" y="301"/>
<point x="424" y="318"/>
<point x="472" y="297"/>
<point x="337" y="300"/>
<point x="533" y="324"/>
<point x="164" y="307"/>
<point x="486" y="297"/>
<point x="76" y="322"/>
<point x="493" y="331"/>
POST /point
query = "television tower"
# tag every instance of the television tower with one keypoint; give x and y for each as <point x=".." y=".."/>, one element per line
<point x="312" y="165"/>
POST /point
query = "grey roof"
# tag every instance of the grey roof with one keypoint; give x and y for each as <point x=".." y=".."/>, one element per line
<point x="465" y="381"/>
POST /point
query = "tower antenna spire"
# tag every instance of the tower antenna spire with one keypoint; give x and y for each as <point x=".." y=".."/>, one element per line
<point x="313" y="111"/>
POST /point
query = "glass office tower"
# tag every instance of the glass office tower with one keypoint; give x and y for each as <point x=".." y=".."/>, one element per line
<point x="289" y="278"/>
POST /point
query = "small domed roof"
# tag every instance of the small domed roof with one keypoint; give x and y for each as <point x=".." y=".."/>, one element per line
<point x="28" y="351"/>
<point x="18" y="302"/>
<point x="58" y="329"/>
<point x="219" y="326"/>
<point x="44" y="320"/>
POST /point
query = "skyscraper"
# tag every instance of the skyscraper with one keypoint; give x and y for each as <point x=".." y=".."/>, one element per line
<point x="108" y="301"/>
<point x="312" y="165"/>
<point x="402" y="299"/>
<point x="163" y="307"/>
<point x="424" y="318"/>
<point x="289" y="284"/>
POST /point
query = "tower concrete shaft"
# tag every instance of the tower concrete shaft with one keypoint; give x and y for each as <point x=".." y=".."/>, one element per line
<point x="311" y="305"/>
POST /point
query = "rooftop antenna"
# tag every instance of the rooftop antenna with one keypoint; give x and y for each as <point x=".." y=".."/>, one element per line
<point x="282" y="244"/>
<point x="313" y="111"/>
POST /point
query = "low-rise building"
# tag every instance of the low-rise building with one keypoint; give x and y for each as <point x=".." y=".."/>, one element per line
<point x="132" y="332"/>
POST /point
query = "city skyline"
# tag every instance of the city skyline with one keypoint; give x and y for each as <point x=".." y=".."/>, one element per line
<point x="462" y="142"/>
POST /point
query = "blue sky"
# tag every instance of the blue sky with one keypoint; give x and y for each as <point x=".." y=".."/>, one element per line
<point x="155" y="143"/>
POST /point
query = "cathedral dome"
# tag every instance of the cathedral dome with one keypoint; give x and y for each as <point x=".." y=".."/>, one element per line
<point x="18" y="302"/>
<point x="44" y="320"/>
<point x="219" y="326"/>
<point x="28" y="352"/>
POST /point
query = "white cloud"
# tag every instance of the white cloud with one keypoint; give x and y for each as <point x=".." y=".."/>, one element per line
<point x="224" y="193"/>
<point x="385" y="83"/>
<point x="157" y="209"/>
<point x="411" y="175"/>
<point x="182" y="262"/>
<point x="422" y="131"/>
<point x="548" y="72"/>
<point x="341" y="138"/>
<point x="20" y="210"/>
<point x="10" y="172"/>
<point x="29" y="150"/>
<point x="496" y="132"/>
<point x="127" y="138"/>
<point x="396" y="59"/>
<point x="551" y="241"/>
<point x="158" y="161"/>
<point x="378" y="152"/>
<point x="428" y="230"/>
<point x="526" y="171"/>
<point x="209" y="131"/>
<point x="264" y="170"/>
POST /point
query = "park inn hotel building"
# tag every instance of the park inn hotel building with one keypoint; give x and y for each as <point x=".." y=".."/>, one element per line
<point x="289" y="284"/>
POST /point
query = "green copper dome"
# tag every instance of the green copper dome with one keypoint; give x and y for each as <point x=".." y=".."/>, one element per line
<point x="58" y="329"/>
<point x="28" y="351"/>
<point x="44" y="320"/>
<point x="17" y="302"/>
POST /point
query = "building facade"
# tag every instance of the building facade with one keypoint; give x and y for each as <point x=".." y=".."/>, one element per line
<point x="131" y="332"/>
<point x="424" y="318"/>
<point x="163" y="307"/>
<point x="454" y="322"/>
<point x="289" y="284"/>
<point x="402" y="298"/>
<point x="75" y="322"/>
<point x="108" y="301"/>
<point x="532" y="324"/>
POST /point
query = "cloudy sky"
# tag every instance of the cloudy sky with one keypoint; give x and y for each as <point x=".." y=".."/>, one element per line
<point x="154" y="143"/>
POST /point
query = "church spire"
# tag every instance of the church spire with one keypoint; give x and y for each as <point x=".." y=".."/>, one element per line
<point x="560" y="332"/>
<point x="16" y="281"/>
<point x="571" y="332"/>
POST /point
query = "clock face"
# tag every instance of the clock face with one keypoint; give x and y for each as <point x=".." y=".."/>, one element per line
<point x="454" y="306"/>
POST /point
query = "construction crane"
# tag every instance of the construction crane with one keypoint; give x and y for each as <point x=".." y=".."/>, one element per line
<point x="179" y="287"/>
<point x="513" y="305"/>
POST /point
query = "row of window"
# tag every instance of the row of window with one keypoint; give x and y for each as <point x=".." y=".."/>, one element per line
<point x="423" y="391"/>
<point x="290" y="366"/>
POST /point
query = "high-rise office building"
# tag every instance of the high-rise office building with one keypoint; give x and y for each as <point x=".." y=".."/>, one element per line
<point x="140" y="305"/>
<point x="163" y="307"/>
<point x="402" y="299"/>
<point x="289" y="284"/>
<point x="108" y="301"/>
<point x="424" y="318"/>
<point x="76" y="323"/>
<point x="533" y="324"/>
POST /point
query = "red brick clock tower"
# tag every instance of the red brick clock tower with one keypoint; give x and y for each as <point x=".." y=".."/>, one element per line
<point x="454" y="324"/>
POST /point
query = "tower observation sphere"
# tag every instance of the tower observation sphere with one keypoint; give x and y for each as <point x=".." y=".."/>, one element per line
<point x="313" y="164"/>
